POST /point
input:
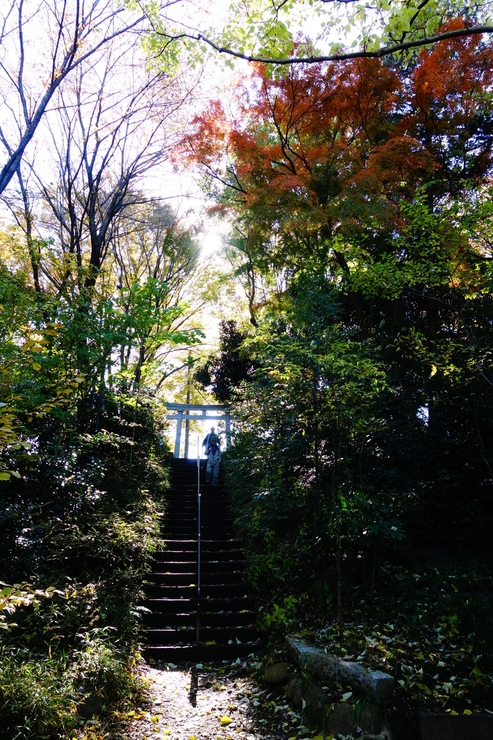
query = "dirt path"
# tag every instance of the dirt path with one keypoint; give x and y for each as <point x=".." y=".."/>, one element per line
<point x="217" y="702"/>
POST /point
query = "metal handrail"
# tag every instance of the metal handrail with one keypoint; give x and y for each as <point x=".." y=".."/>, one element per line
<point x="197" y="625"/>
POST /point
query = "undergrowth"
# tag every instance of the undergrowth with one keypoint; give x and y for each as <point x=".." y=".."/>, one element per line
<point x="81" y="524"/>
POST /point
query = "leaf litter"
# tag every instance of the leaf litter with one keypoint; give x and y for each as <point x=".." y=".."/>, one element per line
<point x="202" y="702"/>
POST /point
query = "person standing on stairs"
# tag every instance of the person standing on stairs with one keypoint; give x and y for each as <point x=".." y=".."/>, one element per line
<point x="209" y="439"/>
<point x="213" y="464"/>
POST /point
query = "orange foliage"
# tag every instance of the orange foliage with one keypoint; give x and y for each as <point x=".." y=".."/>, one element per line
<point x="350" y="138"/>
<point x="210" y="135"/>
<point x="450" y="98"/>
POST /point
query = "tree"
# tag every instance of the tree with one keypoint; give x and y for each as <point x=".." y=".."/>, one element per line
<point x="112" y="129"/>
<point x="222" y="374"/>
<point x="372" y="177"/>
<point x="311" y="406"/>
<point x="42" y="44"/>
<point x="113" y="124"/>
<point x="320" y="164"/>
<point x="159" y="293"/>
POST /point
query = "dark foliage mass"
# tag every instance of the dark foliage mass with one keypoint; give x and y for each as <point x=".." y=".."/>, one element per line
<point x="224" y="372"/>
<point x="79" y="525"/>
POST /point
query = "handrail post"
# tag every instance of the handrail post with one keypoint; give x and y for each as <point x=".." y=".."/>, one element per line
<point x="197" y="626"/>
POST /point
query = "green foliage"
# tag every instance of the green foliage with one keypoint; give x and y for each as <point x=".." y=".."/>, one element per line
<point x="281" y="617"/>
<point x="333" y="470"/>
<point x="34" y="701"/>
<point x="19" y="595"/>
<point x="81" y="511"/>
<point x="270" y="33"/>
<point x="45" y="696"/>
<point x="312" y="403"/>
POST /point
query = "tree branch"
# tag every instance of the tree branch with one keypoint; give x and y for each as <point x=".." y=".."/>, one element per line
<point x="339" y="56"/>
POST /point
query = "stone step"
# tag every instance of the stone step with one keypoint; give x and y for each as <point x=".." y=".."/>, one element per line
<point x="201" y="652"/>
<point x="209" y="604"/>
<point x="208" y="591"/>
<point x="224" y="635"/>
<point x="224" y="619"/>
<point x="207" y="544"/>
<point x="227" y="615"/>
<point x="207" y="555"/>
<point x="168" y="578"/>
<point x="212" y="568"/>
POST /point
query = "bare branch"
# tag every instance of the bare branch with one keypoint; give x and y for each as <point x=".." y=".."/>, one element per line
<point x="72" y="33"/>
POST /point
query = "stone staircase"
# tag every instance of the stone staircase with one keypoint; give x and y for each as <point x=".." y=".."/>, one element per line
<point x="220" y="625"/>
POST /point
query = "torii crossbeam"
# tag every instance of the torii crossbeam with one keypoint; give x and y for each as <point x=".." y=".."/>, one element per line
<point x="200" y="412"/>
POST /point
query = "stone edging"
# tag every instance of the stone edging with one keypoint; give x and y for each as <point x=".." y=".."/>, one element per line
<point x="377" y="684"/>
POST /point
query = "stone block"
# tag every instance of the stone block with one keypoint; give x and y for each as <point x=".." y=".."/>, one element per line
<point x="377" y="684"/>
<point x="340" y="721"/>
<point x="294" y="692"/>
<point x="306" y="695"/>
<point x="370" y="719"/>
<point x="278" y="673"/>
<point x="344" y="719"/>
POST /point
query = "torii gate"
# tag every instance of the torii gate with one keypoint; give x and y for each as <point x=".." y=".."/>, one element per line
<point x="180" y="411"/>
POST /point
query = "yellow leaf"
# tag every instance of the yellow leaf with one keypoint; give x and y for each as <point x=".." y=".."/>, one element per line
<point x="467" y="711"/>
<point x="433" y="371"/>
<point x="155" y="719"/>
<point x="225" y="721"/>
<point x="36" y="366"/>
